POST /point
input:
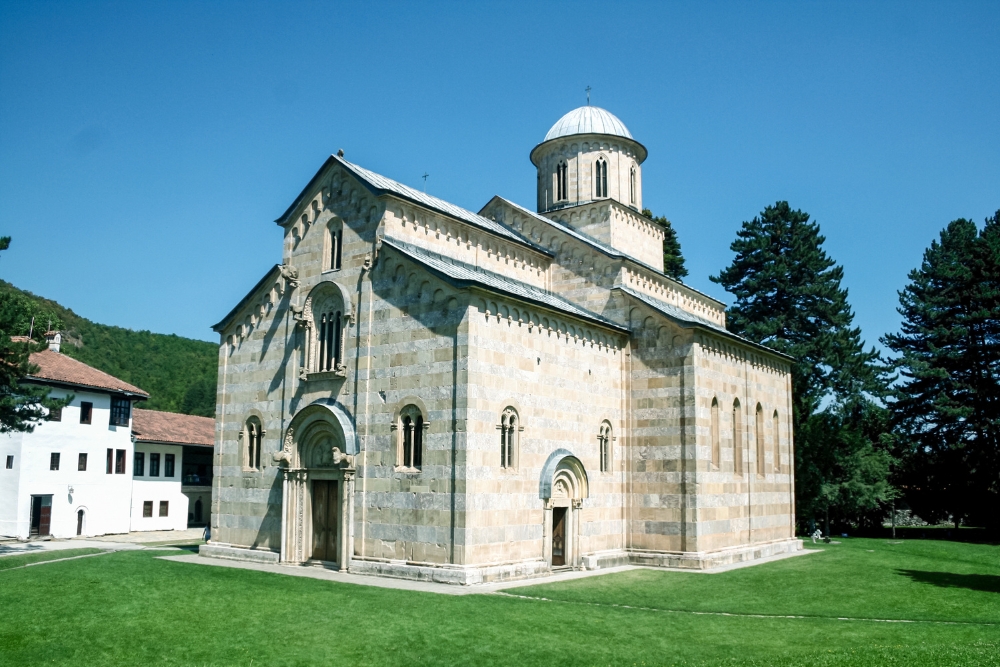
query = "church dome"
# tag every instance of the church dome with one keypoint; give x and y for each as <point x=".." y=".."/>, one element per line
<point x="588" y="120"/>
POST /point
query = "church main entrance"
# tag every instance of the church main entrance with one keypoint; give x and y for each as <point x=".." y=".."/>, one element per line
<point x="558" y="536"/>
<point x="324" y="519"/>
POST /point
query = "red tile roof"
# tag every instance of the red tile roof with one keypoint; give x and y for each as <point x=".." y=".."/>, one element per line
<point x="170" y="427"/>
<point x="57" y="367"/>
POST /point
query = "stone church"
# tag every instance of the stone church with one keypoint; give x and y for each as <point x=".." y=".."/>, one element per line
<point x="422" y="391"/>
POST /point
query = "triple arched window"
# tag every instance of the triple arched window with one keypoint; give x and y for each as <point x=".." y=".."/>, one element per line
<point x="509" y="428"/>
<point x="410" y="450"/>
<point x="326" y="321"/>
<point x="605" y="440"/>
<point x="600" y="178"/>
<point x="562" y="182"/>
<point x="252" y="434"/>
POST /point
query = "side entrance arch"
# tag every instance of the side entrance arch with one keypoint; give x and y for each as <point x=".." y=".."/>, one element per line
<point x="318" y="487"/>
<point x="563" y="487"/>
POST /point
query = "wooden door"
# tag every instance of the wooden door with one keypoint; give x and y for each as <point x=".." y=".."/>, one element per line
<point x="558" y="536"/>
<point x="324" y="519"/>
<point x="45" y="517"/>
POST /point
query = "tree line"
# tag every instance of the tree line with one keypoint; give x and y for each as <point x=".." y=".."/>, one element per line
<point x="920" y="425"/>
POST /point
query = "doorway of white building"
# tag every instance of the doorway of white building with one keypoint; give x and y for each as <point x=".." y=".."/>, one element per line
<point x="41" y="515"/>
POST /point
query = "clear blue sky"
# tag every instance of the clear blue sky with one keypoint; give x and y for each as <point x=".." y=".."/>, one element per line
<point x="146" y="148"/>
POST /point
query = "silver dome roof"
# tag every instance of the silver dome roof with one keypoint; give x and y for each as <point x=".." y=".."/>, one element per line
<point x="588" y="120"/>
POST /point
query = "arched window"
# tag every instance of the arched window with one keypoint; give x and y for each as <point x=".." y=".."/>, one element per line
<point x="562" y="182"/>
<point x="411" y="437"/>
<point x="252" y="436"/>
<point x="775" y="429"/>
<point x="601" y="178"/>
<point x="509" y="429"/>
<point x="759" y="428"/>
<point x="334" y="246"/>
<point x="716" y="448"/>
<point x="631" y="185"/>
<point x="326" y="321"/>
<point x="737" y="438"/>
<point x="605" y="439"/>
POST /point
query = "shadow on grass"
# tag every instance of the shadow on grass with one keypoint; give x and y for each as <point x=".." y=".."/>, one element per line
<point x="976" y="582"/>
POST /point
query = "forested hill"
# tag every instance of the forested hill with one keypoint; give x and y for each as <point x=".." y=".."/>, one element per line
<point x="179" y="373"/>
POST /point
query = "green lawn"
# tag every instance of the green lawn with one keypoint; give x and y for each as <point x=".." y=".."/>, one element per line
<point x="130" y="608"/>
<point x="20" y="560"/>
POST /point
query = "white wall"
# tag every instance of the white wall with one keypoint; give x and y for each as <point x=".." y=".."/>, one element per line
<point x="104" y="498"/>
<point x="158" y="489"/>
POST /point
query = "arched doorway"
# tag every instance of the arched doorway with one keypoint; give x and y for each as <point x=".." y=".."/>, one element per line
<point x="318" y="487"/>
<point x="563" y="488"/>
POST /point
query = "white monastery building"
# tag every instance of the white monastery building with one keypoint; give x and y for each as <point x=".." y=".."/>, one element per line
<point x="422" y="391"/>
<point x="78" y="472"/>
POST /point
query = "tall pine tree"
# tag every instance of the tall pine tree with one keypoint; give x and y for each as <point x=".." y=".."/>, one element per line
<point x="789" y="298"/>
<point x="948" y="403"/>
<point x="673" y="260"/>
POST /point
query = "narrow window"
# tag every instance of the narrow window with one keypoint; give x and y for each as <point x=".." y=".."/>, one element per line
<point x="562" y="186"/>
<point x="337" y="338"/>
<point x="737" y="438"/>
<point x="120" y="411"/>
<point x="323" y="351"/>
<point x="759" y="427"/>
<point x="111" y="457"/>
<point x="164" y="507"/>
<point x="407" y="442"/>
<point x="604" y="440"/>
<point x="716" y="448"/>
<point x="601" y="178"/>
<point x="418" y="442"/>
<point x="775" y="429"/>
<point x="168" y="465"/>
<point x="54" y="461"/>
<point x="119" y="461"/>
<point x="631" y="185"/>
<point x="508" y="438"/>
<point x="55" y="415"/>
<point x="338" y="244"/>
<point x="86" y="412"/>
<point x="147" y="509"/>
<point x="253" y="434"/>
<point x="81" y="461"/>
<point x="139" y="464"/>
<point x="154" y="464"/>
<point x="10" y="462"/>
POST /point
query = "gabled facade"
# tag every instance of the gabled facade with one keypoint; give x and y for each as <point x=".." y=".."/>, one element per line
<point x="422" y="391"/>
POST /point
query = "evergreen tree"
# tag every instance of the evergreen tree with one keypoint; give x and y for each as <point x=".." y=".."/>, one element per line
<point x="948" y="403"/>
<point x="673" y="260"/>
<point x="789" y="297"/>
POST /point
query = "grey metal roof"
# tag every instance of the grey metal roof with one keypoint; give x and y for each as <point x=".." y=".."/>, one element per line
<point x="464" y="275"/>
<point x="684" y="317"/>
<point x="387" y="185"/>
<point x="588" y="120"/>
<point x="608" y="250"/>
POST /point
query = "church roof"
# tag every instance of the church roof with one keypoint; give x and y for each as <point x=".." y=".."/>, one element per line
<point x="683" y="318"/>
<point x="379" y="185"/>
<point x="172" y="428"/>
<point x="57" y="368"/>
<point x="588" y="120"/>
<point x="462" y="275"/>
